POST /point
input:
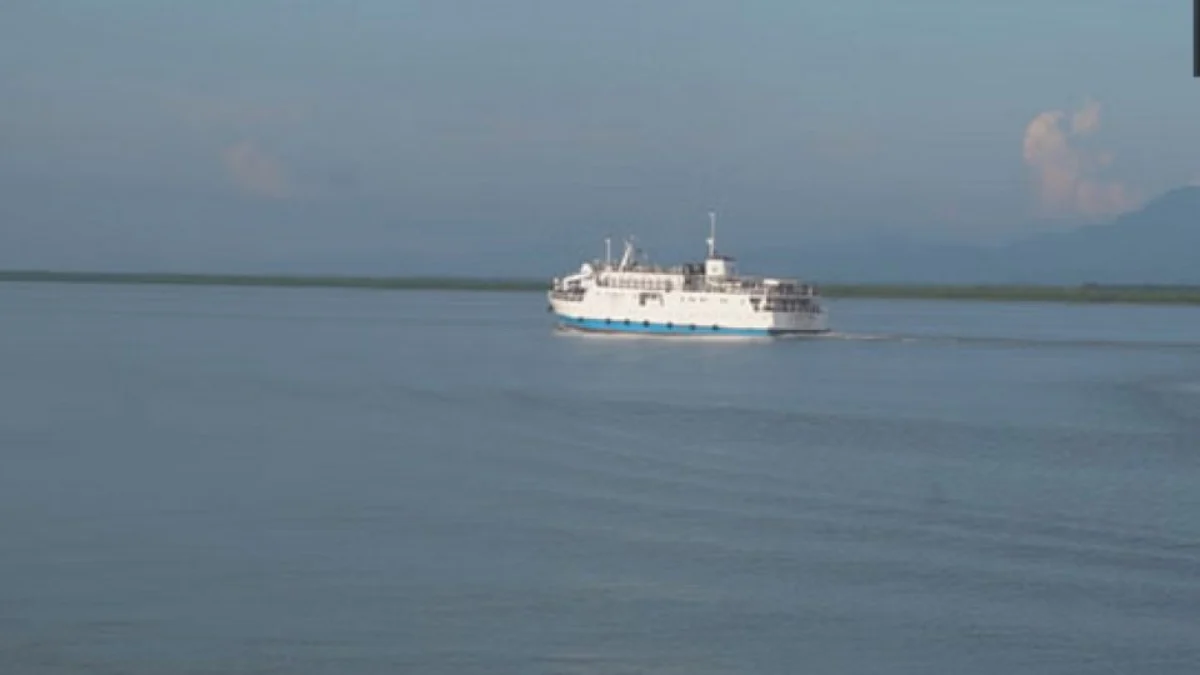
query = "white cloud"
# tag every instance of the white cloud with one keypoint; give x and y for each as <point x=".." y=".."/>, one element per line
<point x="1087" y="119"/>
<point x="255" y="172"/>
<point x="1066" y="172"/>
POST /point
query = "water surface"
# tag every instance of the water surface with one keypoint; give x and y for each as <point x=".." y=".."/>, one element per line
<point x="241" y="480"/>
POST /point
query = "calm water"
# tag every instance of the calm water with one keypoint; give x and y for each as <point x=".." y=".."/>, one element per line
<point x="208" y="480"/>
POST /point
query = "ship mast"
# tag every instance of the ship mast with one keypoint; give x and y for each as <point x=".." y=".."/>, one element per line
<point x="628" y="257"/>
<point x="712" y="237"/>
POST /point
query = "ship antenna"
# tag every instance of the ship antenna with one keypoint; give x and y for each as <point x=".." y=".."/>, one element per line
<point x="712" y="237"/>
<point x="608" y="251"/>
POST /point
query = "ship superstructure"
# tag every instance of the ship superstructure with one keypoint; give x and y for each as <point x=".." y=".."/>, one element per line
<point x="631" y="295"/>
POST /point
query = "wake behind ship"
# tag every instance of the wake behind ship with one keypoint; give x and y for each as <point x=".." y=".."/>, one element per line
<point x="709" y="298"/>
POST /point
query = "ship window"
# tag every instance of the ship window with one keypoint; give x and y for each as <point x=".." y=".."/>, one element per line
<point x="646" y="323"/>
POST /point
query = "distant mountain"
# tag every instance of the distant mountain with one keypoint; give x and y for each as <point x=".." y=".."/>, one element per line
<point x="1157" y="244"/>
<point x="1160" y="243"/>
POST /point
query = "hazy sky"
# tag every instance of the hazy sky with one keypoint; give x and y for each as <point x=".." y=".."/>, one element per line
<point x="224" y="134"/>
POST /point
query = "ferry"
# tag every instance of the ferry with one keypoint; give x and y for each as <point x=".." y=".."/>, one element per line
<point x="692" y="299"/>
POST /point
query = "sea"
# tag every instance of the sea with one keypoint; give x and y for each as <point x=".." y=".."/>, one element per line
<point x="284" y="480"/>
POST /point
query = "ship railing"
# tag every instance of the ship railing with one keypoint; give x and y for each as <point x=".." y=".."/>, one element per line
<point x="702" y="285"/>
<point x="637" y="286"/>
<point x="764" y="290"/>
<point x="567" y="294"/>
<point x="639" y="267"/>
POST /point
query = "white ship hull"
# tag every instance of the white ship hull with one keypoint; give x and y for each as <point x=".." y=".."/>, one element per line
<point x="681" y="313"/>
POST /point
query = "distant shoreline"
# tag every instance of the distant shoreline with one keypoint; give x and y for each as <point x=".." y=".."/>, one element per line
<point x="1088" y="293"/>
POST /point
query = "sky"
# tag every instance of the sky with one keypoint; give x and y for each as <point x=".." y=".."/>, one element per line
<point x="509" y="137"/>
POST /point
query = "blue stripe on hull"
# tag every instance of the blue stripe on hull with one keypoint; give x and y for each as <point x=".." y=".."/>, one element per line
<point x="621" y="326"/>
